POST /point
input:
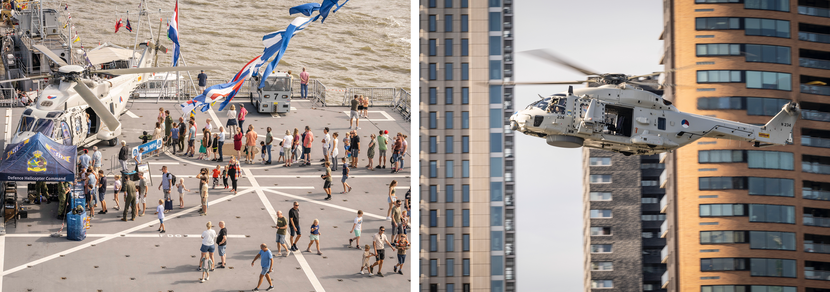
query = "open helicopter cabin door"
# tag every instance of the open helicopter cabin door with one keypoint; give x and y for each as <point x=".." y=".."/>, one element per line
<point x="618" y="120"/>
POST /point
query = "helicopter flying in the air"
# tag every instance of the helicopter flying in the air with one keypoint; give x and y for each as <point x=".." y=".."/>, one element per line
<point x="621" y="117"/>
<point x="77" y="108"/>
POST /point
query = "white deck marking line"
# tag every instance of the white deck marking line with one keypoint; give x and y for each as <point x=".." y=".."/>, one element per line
<point x="273" y="214"/>
<point x="116" y="235"/>
<point x="389" y="118"/>
<point x="132" y="115"/>
<point x="325" y="204"/>
<point x="293" y="109"/>
<point x="197" y="236"/>
<point x="276" y="116"/>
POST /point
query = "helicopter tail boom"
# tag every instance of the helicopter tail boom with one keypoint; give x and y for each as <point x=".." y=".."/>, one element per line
<point x="780" y="128"/>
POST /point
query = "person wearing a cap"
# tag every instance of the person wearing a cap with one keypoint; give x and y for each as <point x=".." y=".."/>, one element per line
<point x="84" y="160"/>
<point x="202" y="81"/>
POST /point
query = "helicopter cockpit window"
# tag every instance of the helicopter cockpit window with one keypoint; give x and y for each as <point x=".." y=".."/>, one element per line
<point x="543" y="104"/>
<point x="26" y="124"/>
<point x="557" y="105"/>
<point x="44" y="126"/>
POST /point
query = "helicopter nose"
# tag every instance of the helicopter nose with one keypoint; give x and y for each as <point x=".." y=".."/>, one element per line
<point x="513" y="124"/>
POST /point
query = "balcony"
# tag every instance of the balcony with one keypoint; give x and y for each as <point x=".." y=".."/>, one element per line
<point x="664" y="229"/>
<point x="815" y="167"/>
<point x="815" y="141"/>
<point x="814" y="11"/>
<point x="814" y="37"/>
<point x="816" y="221"/>
<point x="664" y="280"/>
<point x="814" y="63"/>
<point x="815" y="195"/>
<point x="815" y="115"/>
<point x="815" y="89"/>
<point x="508" y="25"/>
<point x="664" y="204"/>
<point x="664" y="255"/>
<point x="817" y="275"/>
<point x="817" y="247"/>
<point x="664" y="178"/>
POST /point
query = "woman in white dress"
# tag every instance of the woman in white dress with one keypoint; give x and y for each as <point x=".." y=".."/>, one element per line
<point x="232" y="123"/>
<point x="334" y="151"/>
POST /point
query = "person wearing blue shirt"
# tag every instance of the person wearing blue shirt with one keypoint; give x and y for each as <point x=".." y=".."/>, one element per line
<point x="267" y="261"/>
<point x="85" y="160"/>
<point x="175" y="133"/>
<point x="96" y="159"/>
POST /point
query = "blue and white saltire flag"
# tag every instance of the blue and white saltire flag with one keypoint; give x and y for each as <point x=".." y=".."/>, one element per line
<point x="240" y="78"/>
<point x="173" y="33"/>
<point x="221" y="92"/>
<point x="305" y="9"/>
<point x="295" y="27"/>
<point x="326" y="6"/>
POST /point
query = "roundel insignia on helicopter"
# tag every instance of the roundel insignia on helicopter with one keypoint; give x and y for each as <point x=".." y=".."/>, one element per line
<point x="684" y="123"/>
<point x="51" y="97"/>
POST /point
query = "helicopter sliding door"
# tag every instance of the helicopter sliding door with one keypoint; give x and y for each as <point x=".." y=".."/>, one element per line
<point x="93" y="121"/>
<point x="619" y="120"/>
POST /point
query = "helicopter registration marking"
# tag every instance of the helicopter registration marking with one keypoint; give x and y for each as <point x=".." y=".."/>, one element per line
<point x="763" y="135"/>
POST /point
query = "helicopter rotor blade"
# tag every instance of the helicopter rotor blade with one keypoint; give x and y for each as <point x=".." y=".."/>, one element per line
<point x="51" y="55"/>
<point x="25" y="78"/>
<point x="100" y="109"/>
<point x="537" y="82"/>
<point x="547" y="55"/>
<point x="156" y="70"/>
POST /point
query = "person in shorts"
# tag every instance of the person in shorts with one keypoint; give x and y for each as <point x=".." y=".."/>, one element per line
<point x="282" y="232"/>
<point x="402" y="245"/>
<point x="160" y="212"/>
<point x="327" y="177"/>
<point x="346" y="187"/>
<point x="378" y="241"/>
<point x="353" y="113"/>
<point x="267" y="263"/>
<point x="222" y="242"/>
<point x="294" y="225"/>
<point x="356" y="227"/>
<point x="208" y="244"/>
<point x="142" y="193"/>
<point x="102" y="190"/>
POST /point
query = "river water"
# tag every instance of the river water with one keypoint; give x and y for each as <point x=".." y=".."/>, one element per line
<point x="365" y="44"/>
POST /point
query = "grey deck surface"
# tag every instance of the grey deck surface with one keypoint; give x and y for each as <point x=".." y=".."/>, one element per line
<point x="144" y="260"/>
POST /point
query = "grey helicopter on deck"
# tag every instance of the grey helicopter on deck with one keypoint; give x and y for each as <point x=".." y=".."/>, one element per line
<point x="620" y="116"/>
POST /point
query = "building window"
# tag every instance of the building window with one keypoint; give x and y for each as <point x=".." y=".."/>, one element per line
<point x="649" y="183"/>
<point x="432" y="4"/>
<point x="448" y="144"/>
<point x="495" y="3"/>
<point x="496" y="116"/>
<point x="772" y="268"/>
<point x="448" y="47"/>
<point x="465" y="95"/>
<point x="449" y="193"/>
<point x="433" y="71"/>
<point x="722" y="210"/>
<point x="450" y="216"/>
<point x="450" y="242"/>
<point x="600" y="213"/>
<point x="767" y="27"/>
<point x="649" y="200"/>
<point x="495" y="142"/>
<point x="496" y="169"/>
<point x="433" y="95"/>
<point x="754" y="106"/>
<point x="433" y="242"/>
<point x="723" y="264"/>
<point x="465" y="242"/>
<point x="600" y="161"/>
<point x="465" y="193"/>
<point x="772" y="240"/>
<point x="768" y="80"/>
<point x="495" y="21"/>
<point x="448" y="71"/>
<point x="600" y="231"/>
<point x="497" y="265"/>
<point x="447" y="3"/>
<point x="720" y="156"/>
<point x="433" y="218"/>
<point x="497" y="286"/>
<point x="464" y="4"/>
<point x="496" y="216"/>
<point x="465" y="120"/>
<point x="600" y="284"/>
<point x="600" y="196"/>
<point x="433" y="168"/>
<point x="496" y="240"/>
<point x="601" y="248"/>
<point x="465" y="71"/>
<point x="716" y="23"/>
<point x="448" y="98"/>
<point x="433" y="268"/>
<point x="465" y="144"/>
<point x="433" y="47"/>
<point x="465" y="168"/>
<point x="448" y="120"/>
<point x="448" y="22"/>
<point x="495" y="69"/>
<point x="450" y="287"/>
<point x="722" y="183"/>
<point x="496" y="191"/>
<point x="465" y="19"/>
<point x="433" y="194"/>
<point x="465" y="218"/>
<point x="433" y="144"/>
<point x="765" y="186"/>
<point x="767" y="54"/>
<point x="717" y="76"/>
<point x="465" y="267"/>
<point x="709" y="237"/>
<point x="433" y="287"/>
<point x="708" y="50"/>
<point x="653" y="217"/>
<point x="450" y="267"/>
<point x="771" y="213"/>
<point x="449" y="169"/>
<point x="495" y="45"/>
<point x="747" y="288"/>
<point x="600" y="178"/>
<point x="433" y="23"/>
<point x="465" y="47"/>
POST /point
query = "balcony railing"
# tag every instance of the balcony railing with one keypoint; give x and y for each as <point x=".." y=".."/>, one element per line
<point x="664" y="254"/>
<point x="817" y="275"/>
<point x="664" y="177"/>
<point x="664" y="204"/>
<point x="816" y="195"/>
<point x="815" y="167"/>
<point x="815" y="141"/>
<point x="664" y="280"/>
<point x="664" y="229"/>
<point x="815" y="115"/>
<point x="815" y="89"/>
<point x="814" y="37"/>
<point x="816" y="221"/>
<point x="814" y="11"/>
<point x="814" y="63"/>
<point x="817" y="247"/>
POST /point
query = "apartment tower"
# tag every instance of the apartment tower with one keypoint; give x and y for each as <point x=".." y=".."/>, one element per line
<point x="742" y="218"/>
<point x="467" y="165"/>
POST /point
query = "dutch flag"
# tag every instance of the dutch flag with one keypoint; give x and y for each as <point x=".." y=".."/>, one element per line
<point x="173" y="33"/>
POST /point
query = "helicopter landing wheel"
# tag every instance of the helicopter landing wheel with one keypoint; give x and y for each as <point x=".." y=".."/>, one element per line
<point x="113" y="142"/>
